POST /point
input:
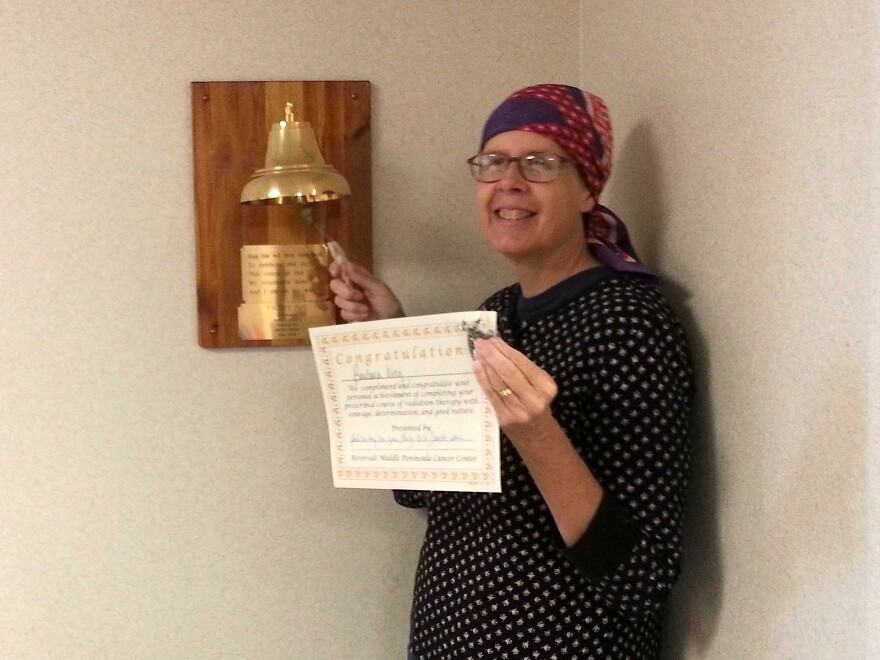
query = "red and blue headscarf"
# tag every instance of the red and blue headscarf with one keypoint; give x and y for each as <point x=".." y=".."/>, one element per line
<point x="578" y="122"/>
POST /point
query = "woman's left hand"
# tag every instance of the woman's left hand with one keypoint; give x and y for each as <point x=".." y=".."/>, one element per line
<point x="518" y="389"/>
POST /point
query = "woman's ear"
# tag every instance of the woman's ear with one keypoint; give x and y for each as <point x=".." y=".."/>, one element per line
<point x="589" y="202"/>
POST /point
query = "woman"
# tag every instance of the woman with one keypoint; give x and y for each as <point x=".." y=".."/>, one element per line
<point x="592" y="384"/>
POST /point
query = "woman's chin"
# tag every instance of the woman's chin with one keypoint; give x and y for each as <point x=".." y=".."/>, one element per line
<point x="508" y="244"/>
<point x="511" y="250"/>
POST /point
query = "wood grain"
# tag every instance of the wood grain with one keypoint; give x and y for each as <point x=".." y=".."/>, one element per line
<point x="231" y="123"/>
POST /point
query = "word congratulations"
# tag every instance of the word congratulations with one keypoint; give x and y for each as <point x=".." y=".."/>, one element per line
<point x="414" y="352"/>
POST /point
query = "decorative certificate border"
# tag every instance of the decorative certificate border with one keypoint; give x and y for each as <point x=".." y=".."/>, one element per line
<point x="483" y="476"/>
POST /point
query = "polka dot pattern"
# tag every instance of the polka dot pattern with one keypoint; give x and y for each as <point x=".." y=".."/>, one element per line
<point x="493" y="581"/>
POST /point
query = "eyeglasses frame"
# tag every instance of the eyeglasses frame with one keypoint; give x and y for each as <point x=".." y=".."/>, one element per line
<point x="518" y="160"/>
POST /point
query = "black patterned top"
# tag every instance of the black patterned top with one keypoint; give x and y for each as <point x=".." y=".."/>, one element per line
<point x="494" y="579"/>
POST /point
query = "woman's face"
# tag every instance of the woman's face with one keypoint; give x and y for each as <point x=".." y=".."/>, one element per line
<point x="538" y="223"/>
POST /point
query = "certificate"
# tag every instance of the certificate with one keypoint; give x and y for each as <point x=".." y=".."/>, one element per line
<point x="404" y="408"/>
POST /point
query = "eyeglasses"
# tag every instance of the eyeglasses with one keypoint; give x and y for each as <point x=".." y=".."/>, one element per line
<point x="536" y="167"/>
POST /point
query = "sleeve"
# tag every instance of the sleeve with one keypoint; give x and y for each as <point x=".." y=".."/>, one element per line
<point x="411" y="499"/>
<point x="609" y="541"/>
<point x="636" y="441"/>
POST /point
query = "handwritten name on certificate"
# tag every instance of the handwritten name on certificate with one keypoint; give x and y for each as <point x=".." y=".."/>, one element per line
<point x="404" y="408"/>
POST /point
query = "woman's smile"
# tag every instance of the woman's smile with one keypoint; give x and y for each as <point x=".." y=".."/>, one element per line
<point x="507" y="213"/>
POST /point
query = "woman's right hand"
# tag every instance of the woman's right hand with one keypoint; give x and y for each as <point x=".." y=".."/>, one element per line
<point x="360" y="296"/>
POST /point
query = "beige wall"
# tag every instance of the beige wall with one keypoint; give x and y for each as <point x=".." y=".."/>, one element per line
<point x="747" y="142"/>
<point x="162" y="501"/>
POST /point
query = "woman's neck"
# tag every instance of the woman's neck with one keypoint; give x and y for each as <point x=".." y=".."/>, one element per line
<point x="535" y="278"/>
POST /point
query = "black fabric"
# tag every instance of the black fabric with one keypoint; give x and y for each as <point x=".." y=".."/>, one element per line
<point x="564" y="292"/>
<point x="492" y="580"/>
<point x="608" y="542"/>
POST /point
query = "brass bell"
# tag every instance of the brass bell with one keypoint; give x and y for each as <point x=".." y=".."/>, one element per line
<point x="295" y="170"/>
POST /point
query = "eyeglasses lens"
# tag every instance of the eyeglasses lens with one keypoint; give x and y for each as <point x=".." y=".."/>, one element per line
<point x="537" y="168"/>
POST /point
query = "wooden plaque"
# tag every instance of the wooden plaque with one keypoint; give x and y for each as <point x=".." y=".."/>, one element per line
<point x="231" y="123"/>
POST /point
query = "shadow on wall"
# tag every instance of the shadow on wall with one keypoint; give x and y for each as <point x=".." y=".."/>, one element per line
<point x="693" y="611"/>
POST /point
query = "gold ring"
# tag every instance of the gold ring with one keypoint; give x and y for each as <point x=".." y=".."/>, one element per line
<point x="505" y="392"/>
